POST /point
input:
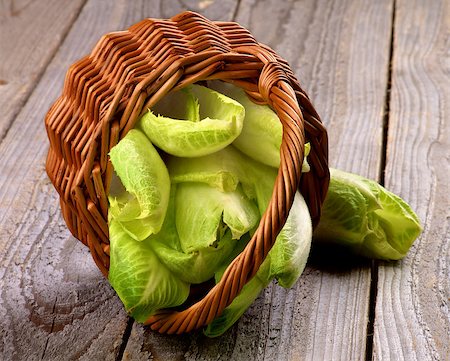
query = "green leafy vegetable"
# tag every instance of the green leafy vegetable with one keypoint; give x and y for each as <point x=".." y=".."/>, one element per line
<point x="262" y="128"/>
<point x="364" y="216"/>
<point x="191" y="262"/>
<point x="211" y="122"/>
<point x="204" y="214"/>
<point x="140" y="210"/>
<point x="143" y="283"/>
<point x="290" y="252"/>
<point x="224" y="170"/>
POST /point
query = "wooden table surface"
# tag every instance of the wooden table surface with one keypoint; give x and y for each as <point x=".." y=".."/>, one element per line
<point x="378" y="74"/>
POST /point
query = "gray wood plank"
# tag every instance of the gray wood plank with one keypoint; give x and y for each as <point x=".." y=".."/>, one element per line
<point x="412" y="313"/>
<point x="324" y="316"/>
<point x="30" y="33"/>
<point x="54" y="303"/>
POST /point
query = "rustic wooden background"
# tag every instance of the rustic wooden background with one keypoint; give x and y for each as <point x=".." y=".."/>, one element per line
<point x="378" y="73"/>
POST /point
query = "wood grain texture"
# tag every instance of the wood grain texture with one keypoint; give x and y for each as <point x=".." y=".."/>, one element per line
<point x="324" y="316"/>
<point x="30" y="34"/>
<point x="54" y="303"/>
<point x="412" y="314"/>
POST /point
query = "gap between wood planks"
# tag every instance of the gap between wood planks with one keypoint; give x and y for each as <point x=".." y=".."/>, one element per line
<point x="125" y="337"/>
<point x="42" y="71"/>
<point x="381" y="179"/>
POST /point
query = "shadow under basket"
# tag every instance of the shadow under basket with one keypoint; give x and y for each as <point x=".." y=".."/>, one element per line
<point x="106" y="92"/>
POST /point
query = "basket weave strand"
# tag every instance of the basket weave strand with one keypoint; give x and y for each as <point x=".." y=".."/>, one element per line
<point x="128" y="72"/>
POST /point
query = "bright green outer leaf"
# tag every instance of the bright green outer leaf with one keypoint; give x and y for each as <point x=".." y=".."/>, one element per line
<point x="285" y="262"/>
<point x="221" y="122"/>
<point x="203" y="214"/>
<point x="197" y="266"/>
<point x="222" y="180"/>
<point x="219" y="170"/>
<point x="364" y="216"/>
<point x="142" y="282"/>
<point x="143" y="173"/>
<point x="290" y="252"/>
<point x="262" y="128"/>
<point x="192" y="267"/>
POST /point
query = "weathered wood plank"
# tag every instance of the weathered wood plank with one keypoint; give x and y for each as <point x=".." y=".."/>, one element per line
<point x="324" y="316"/>
<point x="30" y="33"/>
<point x="412" y="313"/>
<point x="54" y="303"/>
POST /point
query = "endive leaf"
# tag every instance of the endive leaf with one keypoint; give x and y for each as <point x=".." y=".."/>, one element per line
<point x="142" y="207"/>
<point x="142" y="281"/>
<point x="261" y="134"/>
<point x="221" y="120"/>
<point x="364" y="216"/>
<point x="195" y="265"/>
<point x="203" y="214"/>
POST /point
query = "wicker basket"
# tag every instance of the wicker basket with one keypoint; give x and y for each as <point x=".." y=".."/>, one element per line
<point x="107" y="91"/>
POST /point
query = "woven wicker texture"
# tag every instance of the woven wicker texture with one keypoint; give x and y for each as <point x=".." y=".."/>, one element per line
<point x="127" y="72"/>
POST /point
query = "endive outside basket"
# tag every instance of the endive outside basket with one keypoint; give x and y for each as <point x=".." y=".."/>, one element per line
<point x="107" y="91"/>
